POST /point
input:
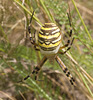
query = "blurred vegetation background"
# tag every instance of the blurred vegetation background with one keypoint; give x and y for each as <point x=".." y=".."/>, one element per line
<point x="18" y="56"/>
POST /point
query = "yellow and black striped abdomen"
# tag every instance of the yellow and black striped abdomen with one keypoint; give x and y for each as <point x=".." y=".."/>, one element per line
<point x="49" y="38"/>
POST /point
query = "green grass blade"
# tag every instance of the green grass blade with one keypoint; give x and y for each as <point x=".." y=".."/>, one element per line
<point x="36" y="88"/>
<point x="79" y="71"/>
<point x="4" y="35"/>
<point x="47" y="11"/>
<point x="35" y="18"/>
<point x="85" y="82"/>
<point x="82" y="21"/>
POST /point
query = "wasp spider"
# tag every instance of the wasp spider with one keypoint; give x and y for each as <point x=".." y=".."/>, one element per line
<point x="49" y="43"/>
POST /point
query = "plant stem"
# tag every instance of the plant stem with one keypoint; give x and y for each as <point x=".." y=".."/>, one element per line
<point x="82" y="21"/>
<point x="47" y="11"/>
<point x="28" y="11"/>
<point x="3" y="33"/>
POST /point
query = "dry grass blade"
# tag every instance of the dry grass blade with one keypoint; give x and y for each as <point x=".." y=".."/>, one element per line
<point x="16" y="24"/>
<point x="75" y="62"/>
<point x="10" y="97"/>
<point x="22" y="95"/>
<point x="84" y="8"/>
<point x="63" y="88"/>
<point x="85" y="27"/>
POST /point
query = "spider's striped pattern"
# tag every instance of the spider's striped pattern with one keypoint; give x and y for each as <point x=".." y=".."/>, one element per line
<point x="49" y="44"/>
<point x="49" y="39"/>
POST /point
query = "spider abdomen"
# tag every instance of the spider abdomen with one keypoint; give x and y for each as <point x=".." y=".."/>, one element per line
<point x="49" y="39"/>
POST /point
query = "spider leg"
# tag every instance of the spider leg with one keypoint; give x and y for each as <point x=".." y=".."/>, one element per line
<point x="65" y="70"/>
<point x="32" y="39"/>
<point x="36" y="70"/>
<point x="69" y="43"/>
<point x="39" y="66"/>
